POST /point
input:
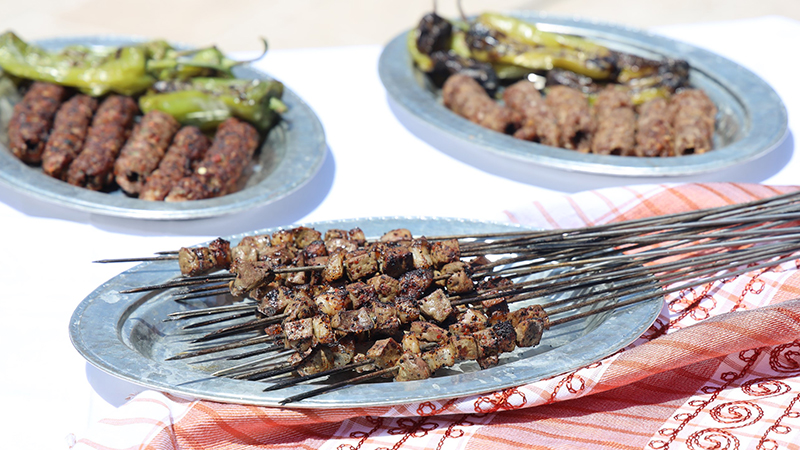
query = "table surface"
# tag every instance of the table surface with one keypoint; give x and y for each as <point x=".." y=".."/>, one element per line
<point x="52" y="392"/>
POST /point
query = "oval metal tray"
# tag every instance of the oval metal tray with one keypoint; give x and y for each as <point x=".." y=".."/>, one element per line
<point x="752" y="119"/>
<point x="290" y="156"/>
<point x="126" y="336"/>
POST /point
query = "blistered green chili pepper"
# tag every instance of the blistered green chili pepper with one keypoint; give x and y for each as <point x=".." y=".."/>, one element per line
<point x="95" y="72"/>
<point x="422" y="60"/>
<point x="528" y="33"/>
<point x="167" y="63"/>
<point x="206" y="102"/>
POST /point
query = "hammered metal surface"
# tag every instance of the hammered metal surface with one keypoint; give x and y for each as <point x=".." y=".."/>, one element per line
<point x="752" y="119"/>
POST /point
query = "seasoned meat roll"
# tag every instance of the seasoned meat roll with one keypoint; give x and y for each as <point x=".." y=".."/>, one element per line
<point x="221" y="169"/>
<point x="467" y="98"/>
<point x="32" y="120"/>
<point x="187" y="149"/>
<point x="573" y="116"/>
<point x="69" y="132"/>
<point x="654" y="129"/>
<point x="143" y="151"/>
<point x="616" y="123"/>
<point x="538" y="123"/>
<point x="93" y="168"/>
<point x="694" y="115"/>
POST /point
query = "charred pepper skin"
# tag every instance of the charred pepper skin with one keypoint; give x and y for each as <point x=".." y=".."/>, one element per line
<point x="207" y="102"/>
<point x="32" y="120"/>
<point x="95" y="73"/>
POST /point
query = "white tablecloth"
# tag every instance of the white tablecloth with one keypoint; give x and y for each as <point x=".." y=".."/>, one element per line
<point x="49" y="391"/>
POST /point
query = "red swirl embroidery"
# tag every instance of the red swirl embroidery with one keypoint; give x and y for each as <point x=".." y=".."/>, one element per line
<point x="506" y="399"/>
<point x="712" y="438"/>
<point x="786" y="358"/>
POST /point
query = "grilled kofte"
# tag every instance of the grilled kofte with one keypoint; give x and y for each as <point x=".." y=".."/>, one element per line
<point x="59" y="125"/>
<point x="578" y="74"/>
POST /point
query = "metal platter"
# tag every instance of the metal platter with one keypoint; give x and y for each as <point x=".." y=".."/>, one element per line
<point x="752" y="119"/>
<point x="291" y="155"/>
<point x="126" y="336"/>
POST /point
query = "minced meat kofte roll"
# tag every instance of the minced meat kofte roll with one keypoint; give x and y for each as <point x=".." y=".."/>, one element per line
<point x="32" y="120"/>
<point x="615" y="120"/>
<point x="654" y="129"/>
<point x="144" y="150"/>
<point x="187" y="149"/>
<point x="538" y="123"/>
<point x="465" y="96"/>
<point x="693" y="119"/>
<point x="69" y="133"/>
<point x="571" y="109"/>
<point x="220" y="171"/>
<point x="94" y="166"/>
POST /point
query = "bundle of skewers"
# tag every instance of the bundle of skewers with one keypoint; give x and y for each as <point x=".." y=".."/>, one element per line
<point x="308" y="305"/>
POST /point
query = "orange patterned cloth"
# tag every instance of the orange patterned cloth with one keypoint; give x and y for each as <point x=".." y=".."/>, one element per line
<point x="720" y="369"/>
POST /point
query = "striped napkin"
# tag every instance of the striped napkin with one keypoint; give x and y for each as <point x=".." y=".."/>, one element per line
<point x="720" y="368"/>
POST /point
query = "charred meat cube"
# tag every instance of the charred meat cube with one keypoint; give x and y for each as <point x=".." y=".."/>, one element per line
<point x="436" y="306"/>
<point x="334" y="268"/>
<point x="343" y="351"/>
<point x="198" y="260"/>
<point x="274" y="300"/>
<point x="333" y="233"/>
<point x="357" y="235"/>
<point x="360" y="358"/>
<point x="394" y="260"/>
<point x="412" y="367"/>
<point x="444" y="252"/>
<point x="302" y="307"/>
<point x="476" y="263"/>
<point x="303" y="236"/>
<point x="400" y="234"/>
<point x="360" y="264"/>
<point x="486" y="341"/>
<point x="496" y="309"/>
<point x="361" y="294"/>
<point x="410" y="343"/>
<point x="506" y="337"/>
<point x="278" y="255"/>
<point x="385" y="286"/>
<point x="465" y="347"/>
<point x="241" y="254"/>
<point x="250" y="276"/>
<point x="407" y="309"/>
<point x="488" y="361"/>
<point x="529" y="323"/>
<point x="414" y="283"/>
<point x="282" y="237"/>
<point x="459" y="283"/>
<point x="319" y="360"/>
<point x="469" y="322"/>
<point x="315" y="249"/>
<point x="274" y="330"/>
<point x="421" y="253"/>
<point x="352" y="321"/>
<point x="385" y="353"/>
<point x="427" y="331"/>
<point x="299" y="334"/>
<point x="323" y="332"/>
<point x="385" y="317"/>
<point x="443" y="355"/>
<point x="340" y="244"/>
<point x="332" y="301"/>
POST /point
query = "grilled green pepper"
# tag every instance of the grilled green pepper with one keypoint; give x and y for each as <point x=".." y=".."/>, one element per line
<point x="93" y="71"/>
<point x="167" y="63"/>
<point x="528" y="33"/>
<point x="206" y="102"/>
